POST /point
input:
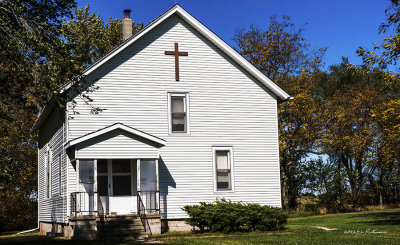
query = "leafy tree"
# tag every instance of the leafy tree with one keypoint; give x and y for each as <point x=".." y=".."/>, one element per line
<point x="282" y="53"/>
<point x="387" y="113"/>
<point x="30" y="33"/>
<point x="350" y="132"/>
<point x="390" y="47"/>
<point x="40" y="51"/>
<point x="88" y="37"/>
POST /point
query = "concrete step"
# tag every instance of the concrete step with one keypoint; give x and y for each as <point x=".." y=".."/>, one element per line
<point x="121" y="232"/>
<point x="121" y="227"/>
<point x="126" y="237"/>
<point x="118" y="222"/>
<point x="122" y="216"/>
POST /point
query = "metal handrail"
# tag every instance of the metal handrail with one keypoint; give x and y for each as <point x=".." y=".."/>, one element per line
<point x="151" y="200"/>
<point x="152" y="206"/>
<point x="83" y="203"/>
<point x="142" y="214"/>
<point x="100" y="212"/>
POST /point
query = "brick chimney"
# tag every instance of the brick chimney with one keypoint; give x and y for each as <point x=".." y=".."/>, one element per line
<point x="126" y="25"/>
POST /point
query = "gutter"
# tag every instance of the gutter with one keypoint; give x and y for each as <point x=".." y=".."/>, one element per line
<point x="27" y="231"/>
<point x="287" y="99"/>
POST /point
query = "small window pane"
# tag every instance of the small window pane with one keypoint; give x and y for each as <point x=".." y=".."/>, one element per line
<point x="121" y="166"/>
<point x="178" y="104"/>
<point x="223" y="179"/>
<point x="86" y="170"/>
<point x="222" y="159"/>
<point x="102" y="166"/>
<point x="122" y="185"/>
<point x="178" y="122"/>
<point x="102" y="185"/>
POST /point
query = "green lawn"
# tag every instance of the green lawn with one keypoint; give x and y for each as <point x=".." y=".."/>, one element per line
<point x="373" y="227"/>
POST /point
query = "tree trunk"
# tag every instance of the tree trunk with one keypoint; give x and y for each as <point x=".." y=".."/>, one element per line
<point x="284" y="190"/>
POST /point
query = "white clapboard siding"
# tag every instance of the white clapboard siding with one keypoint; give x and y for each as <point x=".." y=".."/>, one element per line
<point x="228" y="107"/>
<point x="52" y="136"/>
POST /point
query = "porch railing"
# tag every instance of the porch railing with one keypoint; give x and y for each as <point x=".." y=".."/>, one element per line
<point x="151" y="201"/>
<point x="84" y="203"/>
<point x="148" y="202"/>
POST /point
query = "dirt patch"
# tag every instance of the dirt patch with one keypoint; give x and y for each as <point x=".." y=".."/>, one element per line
<point x="325" y="228"/>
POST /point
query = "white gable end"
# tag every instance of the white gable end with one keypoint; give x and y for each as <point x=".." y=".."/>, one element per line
<point x="133" y="85"/>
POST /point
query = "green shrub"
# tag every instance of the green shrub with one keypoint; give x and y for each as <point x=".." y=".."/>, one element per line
<point x="227" y="216"/>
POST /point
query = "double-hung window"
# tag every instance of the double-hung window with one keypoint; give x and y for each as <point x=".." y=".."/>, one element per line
<point x="59" y="174"/>
<point x="178" y="112"/>
<point x="48" y="172"/>
<point x="223" y="168"/>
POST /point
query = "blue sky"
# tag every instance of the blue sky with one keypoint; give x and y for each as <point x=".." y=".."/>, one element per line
<point x="340" y="25"/>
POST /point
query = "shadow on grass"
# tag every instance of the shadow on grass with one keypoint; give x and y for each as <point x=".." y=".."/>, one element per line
<point x="36" y="238"/>
<point x="381" y="218"/>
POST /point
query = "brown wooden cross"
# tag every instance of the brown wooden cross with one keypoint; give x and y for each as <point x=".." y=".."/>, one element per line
<point x="176" y="53"/>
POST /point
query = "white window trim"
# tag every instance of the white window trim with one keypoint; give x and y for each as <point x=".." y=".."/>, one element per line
<point x="223" y="148"/>
<point x="187" y="106"/>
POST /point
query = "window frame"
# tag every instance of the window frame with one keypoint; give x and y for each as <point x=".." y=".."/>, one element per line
<point x="186" y="105"/>
<point x="231" y="162"/>
<point x="48" y="160"/>
<point x="60" y="190"/>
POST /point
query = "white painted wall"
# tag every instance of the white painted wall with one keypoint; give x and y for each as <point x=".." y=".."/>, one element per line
<point x="228" y="107"/>
<point x="52" y="135"/>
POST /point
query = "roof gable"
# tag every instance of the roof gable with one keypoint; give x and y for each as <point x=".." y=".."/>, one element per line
<point x="198" y="26"/>
<point x="211" y="36"/>
<point x="113" y="127"/>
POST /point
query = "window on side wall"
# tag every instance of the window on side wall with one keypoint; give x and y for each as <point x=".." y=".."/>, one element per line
<point x="59" y="175"/>
<point x="223" y="168"/>
<point x="48" y="172"/>
<point x="178" y="113"/>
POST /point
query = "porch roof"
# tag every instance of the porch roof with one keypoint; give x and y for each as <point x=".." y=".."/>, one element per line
<point x="116" y="126"/>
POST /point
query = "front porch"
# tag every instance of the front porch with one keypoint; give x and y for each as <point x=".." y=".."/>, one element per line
<point x="116" y="186"/>
<point x="109" y="189"/>
<point x="116" y="177"/>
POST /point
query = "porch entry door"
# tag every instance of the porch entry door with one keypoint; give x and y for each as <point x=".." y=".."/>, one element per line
<point x="117" y="186"/>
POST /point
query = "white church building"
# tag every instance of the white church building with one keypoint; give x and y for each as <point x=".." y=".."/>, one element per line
<point x="184" y="119"/>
